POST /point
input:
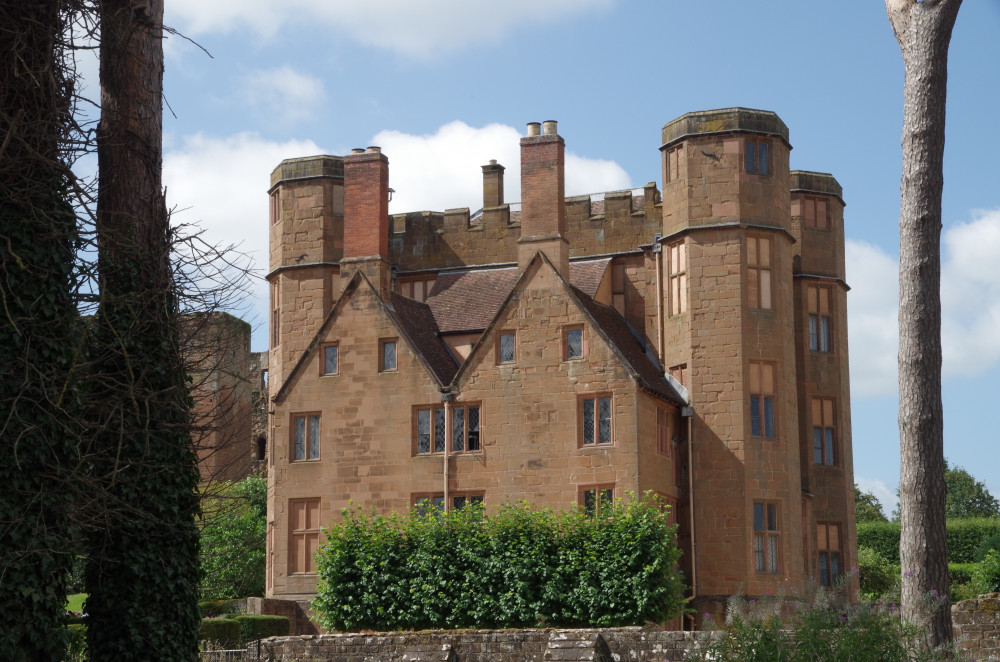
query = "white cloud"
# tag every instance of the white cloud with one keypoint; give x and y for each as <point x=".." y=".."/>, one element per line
<point x="286" y="96"/>
<point x="221" y="184"/>
<point x="871" y="317"/>
<point x="970" y="295"/>
<point x="442" y="170"/>
<point x="420" y="29"/>
<point x="970" y="302"/>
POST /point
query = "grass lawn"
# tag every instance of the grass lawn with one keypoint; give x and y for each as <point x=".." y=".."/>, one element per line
<point x="75" y="602"/>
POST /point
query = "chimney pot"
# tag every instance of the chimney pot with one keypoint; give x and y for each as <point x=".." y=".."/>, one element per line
<point x="549" y="128"/>
<point x="357" y="150"/>
<point x="375" y="150"/>
<point x="493" y="161"/>
<point x="534" y="128"/>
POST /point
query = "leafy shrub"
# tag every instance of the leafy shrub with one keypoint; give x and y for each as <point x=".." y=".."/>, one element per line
<point x="260" y="627"/>
<point x="76" y="649"/>
<point x="960" y="578"/>
<point x="216" y="608"/>
<point x="774" y="629"/>
<point x="986" y="576"/>
<point x="989" y="542"/>
<point x="881" y="537"/>
<point x="233" y="537"/>
<point x="518" y="567"/>
<point x="222" y="630"/>
<point x="877" y="574"/>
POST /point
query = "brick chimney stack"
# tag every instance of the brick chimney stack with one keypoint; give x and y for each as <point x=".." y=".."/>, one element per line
<point x="543" y="193"/>
<point x="366" y="217"/>
<point x="492" y="184"/>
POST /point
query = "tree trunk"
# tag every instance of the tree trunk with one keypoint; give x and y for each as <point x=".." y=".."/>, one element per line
<point x="923" y="30"/>
<point x="37" y="326"/>
<point x="143" y="571"/>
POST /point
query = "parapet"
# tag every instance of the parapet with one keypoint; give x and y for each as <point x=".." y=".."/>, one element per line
<point x="308" y="167"/>
<point x="724" y="120"/>
<point x="815" y="182"/>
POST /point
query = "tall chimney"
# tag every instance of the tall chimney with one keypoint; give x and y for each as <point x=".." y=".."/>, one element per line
<point x="366" y="217"/>
<point x="492" y="184"/>
<point x="543" y="193"/>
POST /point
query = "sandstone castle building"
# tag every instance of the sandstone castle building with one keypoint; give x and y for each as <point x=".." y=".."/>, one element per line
<point x="690" y="341"/>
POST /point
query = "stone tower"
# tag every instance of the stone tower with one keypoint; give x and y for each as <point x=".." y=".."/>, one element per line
<point x="732" y="333"/>
<point x="307" y="244"/>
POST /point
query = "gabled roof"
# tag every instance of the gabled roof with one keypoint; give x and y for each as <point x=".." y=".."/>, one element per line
<point x="467" y="301"/>
<point x="415" y="323"/>
<point x="623" y="340"/>
<point x="612" y="328"/>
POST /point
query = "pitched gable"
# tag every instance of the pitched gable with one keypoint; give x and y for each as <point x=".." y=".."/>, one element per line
<point x="413" y="320"/>
<point x="605" y="320"/>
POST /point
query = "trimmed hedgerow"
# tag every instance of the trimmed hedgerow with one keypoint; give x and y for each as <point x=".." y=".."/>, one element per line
<point x="964" y="537"/>
<point x="253" y="626"/>
<point x="517" y="567"/>
<point x="220" y="630"/>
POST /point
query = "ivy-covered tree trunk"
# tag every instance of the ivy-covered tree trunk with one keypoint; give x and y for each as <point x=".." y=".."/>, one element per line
<point x="923" y="29"/>
<point x="37" y="394"/>
<point x="143" y="572"/>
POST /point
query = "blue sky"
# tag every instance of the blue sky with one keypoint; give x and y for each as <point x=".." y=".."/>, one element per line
<point x="444" y="85"/>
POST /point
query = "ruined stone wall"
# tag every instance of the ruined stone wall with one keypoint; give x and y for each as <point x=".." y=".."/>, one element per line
<point x="630" y="644"/>
<point x="977" y="627"/>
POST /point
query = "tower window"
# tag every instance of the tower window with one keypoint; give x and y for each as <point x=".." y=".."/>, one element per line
<point x="755" y="157"/>
<point x="761" y="399"/>
<point x="818" y="303"/>
<point x="759" y="272"/>
<point x="765" y="536"/>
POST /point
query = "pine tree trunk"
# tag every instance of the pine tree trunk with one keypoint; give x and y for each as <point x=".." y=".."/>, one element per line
<point x="38" y="321"/>
<point x="143" y="572"/>
<point x="923" y="30"/>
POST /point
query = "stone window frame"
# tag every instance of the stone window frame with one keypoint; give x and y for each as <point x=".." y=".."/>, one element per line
<point x="760" y="269"/>
<point x="665" y="431"/>
<point x="668" y="504"/>
<point x="755" y="160"/>
<point x="762" y="387"/>
<point x="824" y="431"/>
<point x="819" y="321"/>
<point x="420" y="500"/>
<point x="275" y="313"/>
<point x="512" y="334"/>
<point x="766" y="536"/>
<point x="672" y="163"/>
<point x="417" y="289"/>
<point x="595" y="405"/>
<point x="815" y="220"/>
<point x="566" y="344"/>
<point x="432" y="439"/>
<point x="829" y="558"/>
<point x="299" y="539"/>
<point x="597" y="493"/>
<point x="383" y="345"/>
<point x="323" y="359"/>
<point x="676" y="265"/>
<point x="311" y="442"/>
<point x="274" y="206"/>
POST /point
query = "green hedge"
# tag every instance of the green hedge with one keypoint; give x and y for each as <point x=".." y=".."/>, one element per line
<point x="220" y="630"/>
<point x="517" y="567"/>
<point x="964" y="537"/>
<point x="260" y="627"/>
<point x="76" y="648"/>
<point x="961" y="573"/>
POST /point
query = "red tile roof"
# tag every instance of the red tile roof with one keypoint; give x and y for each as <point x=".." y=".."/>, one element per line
<point x="467" y="301"/>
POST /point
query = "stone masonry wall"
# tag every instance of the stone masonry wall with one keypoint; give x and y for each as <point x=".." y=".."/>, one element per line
<point x="977" y="627"/>
<point x="630" y="644"/>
